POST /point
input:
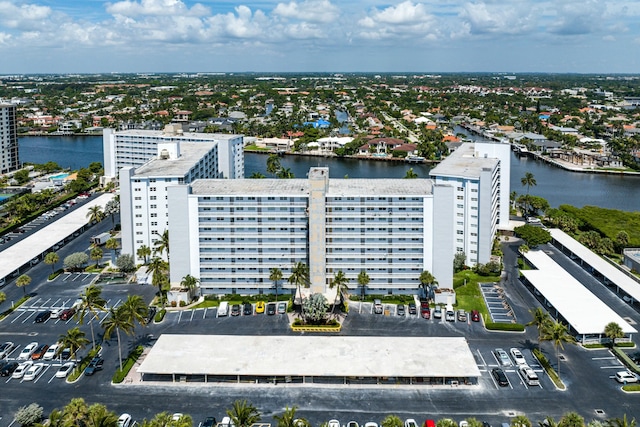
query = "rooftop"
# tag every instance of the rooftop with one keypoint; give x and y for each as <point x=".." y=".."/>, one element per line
<point x="464" y="163"/>
<point x="172" y="136"/>
<point x="190" y="154"/>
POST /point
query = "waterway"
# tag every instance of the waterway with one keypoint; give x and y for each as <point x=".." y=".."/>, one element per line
<point x="556" y="185"/>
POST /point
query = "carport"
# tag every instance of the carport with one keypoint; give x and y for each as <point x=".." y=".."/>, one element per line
<point x="601" y="269"/>
<point x="570" y="301"/>
<point x="310" y="360"/>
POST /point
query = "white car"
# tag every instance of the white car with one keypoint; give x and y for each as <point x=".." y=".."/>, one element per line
<point x="334" y="423"/>
<point x="410" y="423"/>
<point x="502" y="357"/>
<point x="50" y="354"/>
<point x="370" y="424"/>
<point x="65" y="370"/>
<point x="55" y="312"/>
<point x="6" y="349"/>
<point x="21" y="369"/>
<point x="625" y="377"/>
<point x="28" y="351"/>
<point x="353" y="424"/>
<point x="528" y="375"/>
<point x="517" y="356"/>
<point x="125" y="420"/>
<point x="33" y="372"/>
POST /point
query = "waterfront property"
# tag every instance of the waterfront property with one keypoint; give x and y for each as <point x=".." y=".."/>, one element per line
<point x="9" y="160"/>
<point x="136" y="147"/>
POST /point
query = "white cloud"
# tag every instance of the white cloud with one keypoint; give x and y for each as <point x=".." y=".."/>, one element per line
<point x="483" y="18"/>
<point x="26" y="16"/>
<point x="155" y="8"/>
<point x="405" y="20"/>
<point x="579" y="17"/>
<point x="310" y="10"/>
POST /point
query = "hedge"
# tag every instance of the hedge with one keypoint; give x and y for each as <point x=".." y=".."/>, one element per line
<point x="159" y="316"/>
<point x="79" y="369"/>
<point x="493" y="326"/>
<point x="16" y="305"/>
<point x="548" y="368"/>
<point x="127" y="364"/>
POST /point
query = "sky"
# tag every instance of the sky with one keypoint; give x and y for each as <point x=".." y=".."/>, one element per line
<point x="431" y="36"/>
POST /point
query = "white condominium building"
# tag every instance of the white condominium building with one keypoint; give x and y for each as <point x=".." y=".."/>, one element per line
<point x="230" y="233"/>
<point x="479" y="173"/>
<point x="136" y="147"/>
<point x="143" y="191"/>
<point x="9" y="160"/>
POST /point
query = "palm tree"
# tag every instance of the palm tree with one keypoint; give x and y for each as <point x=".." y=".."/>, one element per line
<point x="243" y="414"/>
<point x="22" y="282"/>
<point x="162" y="244"/>
<point x="285" y="173"/>
<point x="613" y="331"/>
<point x="548" y="422"/>
<point x="189" y="283"/>
<point x="135" y="309"/>
<point x="571" y="419"/>
<point x="528" y="180"/>
<point x="100" y="416"/>
<point x="96" y="255"/>
<point x="557" y="333"/>
<point x="427" y="280"/>
<point x="410" y="174"/>
<point x="299" y="278"/>
<point x="95" y="214"/>
<point x="275" y="275"/>
<point x="341" y="283"/>
<point x="520" y="421"/>
<point x="621" y="422"/>
<point x="363" y="281"/>
<point x="143" y="252"/>
<point x="74" y="340"/>
<point x="92" y="302"/>
<point x="3" y="297"/>
<point x="76" y="412"/>
<point x="392" y="421"/>
<point x="273" y="164"/>
<point x="117" y="321"/>
<point x="157" y="268"/>
<point x="289" y="419"/>
<point x="112" y="245"/>
<point x="541" y="320"/>
<point x="51" y="259"/>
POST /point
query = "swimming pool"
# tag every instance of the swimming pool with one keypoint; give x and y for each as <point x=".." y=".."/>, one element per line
<point x="59" y="176"/>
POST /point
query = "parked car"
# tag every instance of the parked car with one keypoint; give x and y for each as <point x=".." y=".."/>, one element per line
<point x="282" y="307"/>
<point x="410" y="423"/>
<point x="437" y="312"/>
<point x="353" y="424"/>
<point x="208" y="422"/>
<point x="260" y="305"/>
<point x="39" y="352"/>
<point x="502" y="357"/>
<point x="28" y="351"/>
<point x="235" y="310"/>
<point x="377" y="306"/>
<point x="65" y="369"/>
<point x="425" y="310"/>
<point x="450" y="316"/>
<point x="67" y="314"/>
<point x="517" y="356"/>
<point x="412" y="308"/>
<point x="462" y="316"/>
<point x="247" y="310"/>
<point x="429" y="423"/>
<point x="43" y="316"/>
<point x="50" y="354"/>
<point x="6" y="349"/>
<point x="271" y="309"/>
<point x="475" y="316"/>
<point x="94" y="366"/>
<point x="370" y="424"/>
<point x="55" y="313"/>
<point x="124" y="420"/>
<point x="8" y="368"/>
<point x="22" y="369"/>
<point x="400" y="310"/>
<point x="66" y="354"/>
<point x="500" y="377"/>
<point x="33" y="372"/>
<point x="635" y="357"/>
<point x="334" y="423"/>
<point x="625" y="377"/>
<point x="528" y="375"/>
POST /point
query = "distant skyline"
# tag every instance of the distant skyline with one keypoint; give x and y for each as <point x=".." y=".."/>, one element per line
<point x="91" y="36"/>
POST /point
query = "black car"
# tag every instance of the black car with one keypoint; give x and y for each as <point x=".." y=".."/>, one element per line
<point x="235" y="310"/>
<point x="208" y="422"/>
<point x="7" y="368"/>
<point x="635" y="357"/>
<point x="400" y="310"/>
<point x="94" y="366"/>
<point x="412" y="308"/>
<point x="43" y="316"/>
<point x="271" y="309"/>
<point x="66" y="354"/>
<point x="500" y="376"/>
<point x="247" y="310"/>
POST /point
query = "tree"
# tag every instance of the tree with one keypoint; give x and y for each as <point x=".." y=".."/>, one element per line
<point x="446" y="422"/>
<point x="100" y="416"/>
<point x="3" y="297"/>
<point x="392" y="421"/>
<point x="189" y="283"/>
<point x="126" y="263"/>
<point x="363" y="281"/>
<point x="300" y="278"/>
<point x="558" y="334"/>
<point x="92" y="303"/>
<point x="76" y="413"/>
<point x="427" y="281"/>
<point x="528" y="180"/>
<point x="75" y="261"/>
<point x="96" y="255"/>
<point x="621" y="422"/>
<point x="273" y="164"/>
<point x="257" y="175"/>
<point x="289" y="419"/>
<point x="117" y="321"/>
<point x="162" y="244"/>
<point x="22" y="282"/>
<point x="622" y="240"/>
<point x="285" y="173"/>
<point x="411" y="174"/>
<point x="341" y="283"/>
<point x="51" y="259"/>
<point x="28" y="415"/>
<point x="275" y="275"/>
<point x="534" y="236"/>
<point x="315" y="309"/>
<point x="135" y="309"/>
<point x="548" y="422"/>
<point x="112" y="244"/>
<point x="74" y="340"/>
<point x="157" y="268"/>
<point x="541" y="320"/>
<point x="243" y="414"/>
<point x="459" y="260"/>
<point x="520" y="421"/>
<point x="95" y="214"/>
<point x="571" y="419"/>
<point x="144" y="252"/>
<point x="613" y="331"/>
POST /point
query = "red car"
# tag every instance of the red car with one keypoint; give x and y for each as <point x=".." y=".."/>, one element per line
<point x="475" y="316"/>
<point x="429" y="423"/>
<point x="67" y="314"/>
<point x="425" y="311"/>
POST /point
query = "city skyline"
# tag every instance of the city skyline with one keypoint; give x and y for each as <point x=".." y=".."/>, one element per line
<point x="46" y="36"/>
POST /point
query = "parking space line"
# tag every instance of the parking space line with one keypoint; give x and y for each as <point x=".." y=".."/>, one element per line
<point x="192" y="313"/>
<point x="46" y="368"/>
<point x="484" y="363"/>
<point x="179" y="316"/>
<point x="204" y="313"/>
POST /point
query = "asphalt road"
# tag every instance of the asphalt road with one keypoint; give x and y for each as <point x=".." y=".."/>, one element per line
<point x="586" y="373"/>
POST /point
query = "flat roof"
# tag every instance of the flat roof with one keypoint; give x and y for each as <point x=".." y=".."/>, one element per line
<point x="160" y="134"/>
<point x="464" y="163"/>
<point x="190" y="154"/>
<point x="585" y="312"/>
<point x="37" y="243"/>
<point x="610" y="272"/>
<point x="334" y="356"/>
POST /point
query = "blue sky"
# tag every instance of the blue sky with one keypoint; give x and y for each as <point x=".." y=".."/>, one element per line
<point x="85" y="36"/>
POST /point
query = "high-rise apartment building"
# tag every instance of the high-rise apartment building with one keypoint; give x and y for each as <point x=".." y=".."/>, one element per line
<point x="9" y="159"/>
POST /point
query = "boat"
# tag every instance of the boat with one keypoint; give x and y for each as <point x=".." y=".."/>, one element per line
<point x="414" y="159"/>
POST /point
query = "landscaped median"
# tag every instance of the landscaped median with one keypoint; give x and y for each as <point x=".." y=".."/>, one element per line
<point x="127" y="364"/>
<point x="330" y="326"/>
<point x="12" y="309"/>
<point x="544" y="362"/>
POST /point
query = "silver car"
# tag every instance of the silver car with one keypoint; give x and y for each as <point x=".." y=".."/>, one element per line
<point x="502" y="357"/>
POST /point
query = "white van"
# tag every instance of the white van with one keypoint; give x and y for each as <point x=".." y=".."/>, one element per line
<point x="223" y="309"/>
<point x="528" y="375"/>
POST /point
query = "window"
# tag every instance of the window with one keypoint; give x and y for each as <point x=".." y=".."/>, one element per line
<point x="460" y="197"/>
<point x="152" y="198"/>
<point x="137" y="198"/>
<point x="152" y="188"/>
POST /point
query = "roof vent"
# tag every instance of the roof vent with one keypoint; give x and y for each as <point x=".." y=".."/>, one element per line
<point x="164" y="154"/>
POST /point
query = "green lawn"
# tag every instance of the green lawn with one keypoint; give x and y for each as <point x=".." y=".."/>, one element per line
<point x="468" y="294"/>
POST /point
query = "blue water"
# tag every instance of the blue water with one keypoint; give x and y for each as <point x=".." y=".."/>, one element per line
<point x="59" y="176"/>
<point x="73" y="152"/>
<point x="3" y="197"/>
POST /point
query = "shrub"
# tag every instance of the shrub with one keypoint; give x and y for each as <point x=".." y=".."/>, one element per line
<point x="126" y="263"/>
<point x="492" y="326"/>
<point x="28" y="415"/>
<point x="159" y="316"/>
<point x="76" y="261"/>
<point x="174" y="304"/>
<point x="182" y="303"/>
<point x="127" y="364"/>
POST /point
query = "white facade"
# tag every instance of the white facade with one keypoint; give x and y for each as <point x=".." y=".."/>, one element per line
<point x="9" y="160"/>
<point x="229" y="234"/>
<point x="143" y="191"/>
<point x="133" y="148"/>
